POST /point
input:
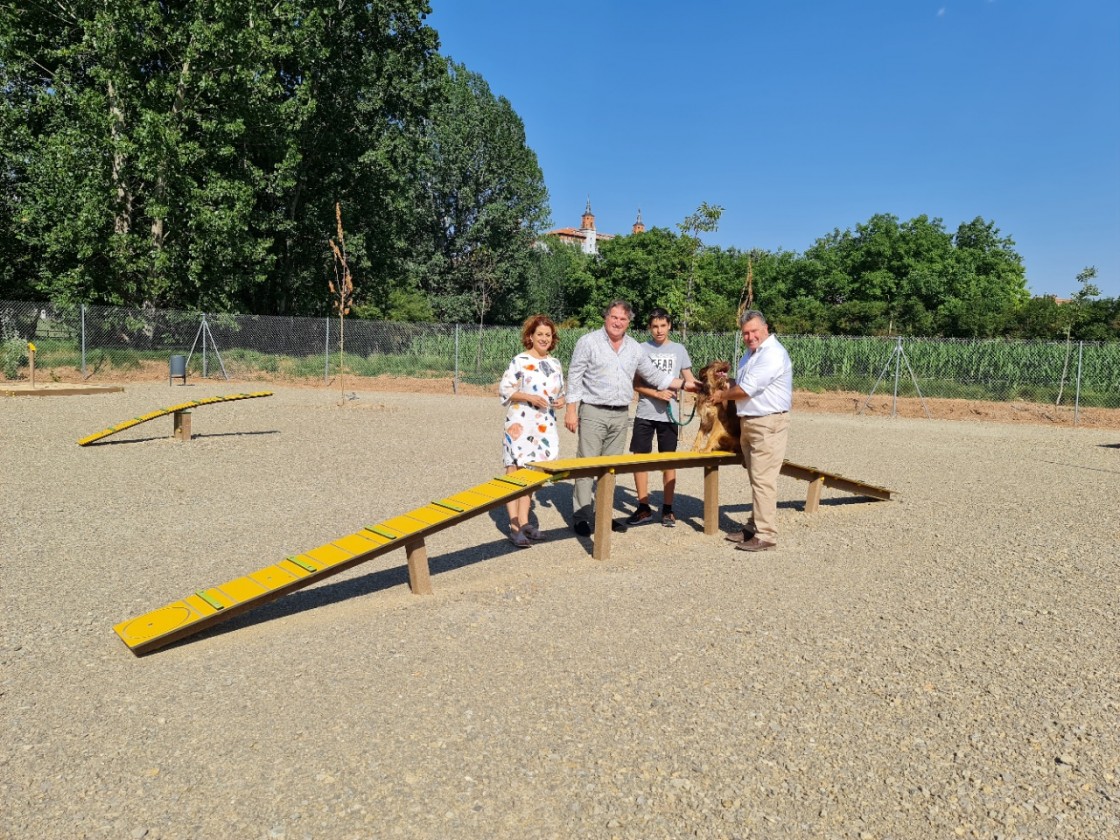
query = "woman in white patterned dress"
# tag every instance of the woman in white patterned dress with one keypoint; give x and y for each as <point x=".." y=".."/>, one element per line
<point x="531" y="389"/>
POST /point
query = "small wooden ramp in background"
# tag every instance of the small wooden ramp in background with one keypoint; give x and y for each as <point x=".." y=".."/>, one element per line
<point x="176" y="411"/>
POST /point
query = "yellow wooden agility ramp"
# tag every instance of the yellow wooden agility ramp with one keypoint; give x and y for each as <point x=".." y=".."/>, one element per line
<point x="207" y="607"/>
<point x="605" y="467"/>
<point x="181" y="425"/>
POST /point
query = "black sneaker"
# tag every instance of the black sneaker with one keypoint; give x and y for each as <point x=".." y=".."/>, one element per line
<point x="642" y="514"/>
<point x="668" y="520"/>
<point x="582" y="528"/>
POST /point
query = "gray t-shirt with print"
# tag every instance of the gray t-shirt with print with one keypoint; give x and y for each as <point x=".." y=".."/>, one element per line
<point x="671" y="358"/>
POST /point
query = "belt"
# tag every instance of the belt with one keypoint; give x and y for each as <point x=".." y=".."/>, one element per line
<point x="608" y="407"/>
<point x="771" y="414"/>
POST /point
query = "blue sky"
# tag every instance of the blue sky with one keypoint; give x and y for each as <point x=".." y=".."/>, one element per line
<point x="802" y="117"/>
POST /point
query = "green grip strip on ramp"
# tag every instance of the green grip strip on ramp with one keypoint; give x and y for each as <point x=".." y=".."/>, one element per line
<point x="183" y="618"/>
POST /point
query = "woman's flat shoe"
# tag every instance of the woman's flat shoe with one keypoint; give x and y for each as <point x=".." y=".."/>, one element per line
<point x="532" y="533"/>
<point x="519" y="539"/>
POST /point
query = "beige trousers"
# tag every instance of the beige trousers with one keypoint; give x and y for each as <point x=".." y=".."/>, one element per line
<point x="764" y="449"/>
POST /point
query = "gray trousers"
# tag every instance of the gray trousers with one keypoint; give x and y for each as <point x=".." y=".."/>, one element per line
<point x="601" y="432"/>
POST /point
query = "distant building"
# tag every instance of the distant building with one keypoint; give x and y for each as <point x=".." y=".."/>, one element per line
<point x="585" y="236"/>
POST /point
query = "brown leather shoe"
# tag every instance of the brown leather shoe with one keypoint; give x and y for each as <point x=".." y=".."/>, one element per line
<point x="741" y="536"/>
<point x="755" y="544"/>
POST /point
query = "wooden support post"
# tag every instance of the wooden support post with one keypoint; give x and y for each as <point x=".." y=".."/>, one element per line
<point x="605" y="468"/>
<point x="711" y="500"/>
<point x="813" y="499"/>
<point x="181" y="425"/>
<point x="604" y="507"/>
<point x="836" y="482"/>
<point x="419" y="575"/>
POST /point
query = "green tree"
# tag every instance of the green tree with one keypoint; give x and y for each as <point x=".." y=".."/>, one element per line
<point x="482" y="191"/>
<point x="824" y="275"/>
<point x="723" y="287"/>
<point x="775" y="284"/>
<point x="1077" y="311"/>
<point x="911" y="278"/>
<point x="1038" y="317"/>
<point x="882" y="272"/>
<point x="190" y="154"/>
<point x="704" y="220"/>
<point x="985" y="284"/>
<point x="559" y="281"/>
<point x="1100" y="320"/>
<point x="641" y="268"/>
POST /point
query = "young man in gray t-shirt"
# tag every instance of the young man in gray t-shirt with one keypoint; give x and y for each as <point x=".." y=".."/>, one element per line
<point x="652" y="417"/>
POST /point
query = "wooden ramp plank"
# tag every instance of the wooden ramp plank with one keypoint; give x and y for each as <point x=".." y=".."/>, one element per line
<point x="630" y="463"/>
<point x="433" y="514"/>
<point x="652" y="462"/>
<point x="606" y="467"/>
<point x="208" y="607"/>
<point x="204" y="608"/>
<point x="836" y="482"/>
<point x="164" y="412"/>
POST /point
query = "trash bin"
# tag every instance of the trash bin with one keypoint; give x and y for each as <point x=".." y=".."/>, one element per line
<point x="178" y="368"/>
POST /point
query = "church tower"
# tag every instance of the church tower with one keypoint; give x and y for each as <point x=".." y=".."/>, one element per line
<point x="587" y="228"/>
<point x="639" y="226"/>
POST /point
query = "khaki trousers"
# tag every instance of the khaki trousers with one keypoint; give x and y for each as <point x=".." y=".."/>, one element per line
<point x="601" y="432"/>
<point x="764" y="449"/>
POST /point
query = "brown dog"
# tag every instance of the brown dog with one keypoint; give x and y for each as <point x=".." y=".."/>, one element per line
<point x="719" y="424"/>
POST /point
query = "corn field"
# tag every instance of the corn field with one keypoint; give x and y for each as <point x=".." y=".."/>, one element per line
<point x="95" y="341"/>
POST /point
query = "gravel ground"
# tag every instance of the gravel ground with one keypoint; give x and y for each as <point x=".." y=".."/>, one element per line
<point x="945" y="664"/>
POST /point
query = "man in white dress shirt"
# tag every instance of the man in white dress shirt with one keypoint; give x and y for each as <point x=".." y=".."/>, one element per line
<point x="763" y="394"/>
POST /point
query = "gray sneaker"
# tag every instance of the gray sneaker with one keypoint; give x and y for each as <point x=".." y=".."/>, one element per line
<point x="639" y="516"/>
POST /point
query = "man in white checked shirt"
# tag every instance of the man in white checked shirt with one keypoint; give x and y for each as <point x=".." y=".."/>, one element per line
<point x="600" y="390"/>
<point x="763" y="394"/>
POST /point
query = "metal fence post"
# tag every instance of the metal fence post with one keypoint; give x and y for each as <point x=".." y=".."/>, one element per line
<point x="897" y="365"/>
<point x="832" y="362"/>
<point x="455" y="380"/>
<point x="1077" y="392"/>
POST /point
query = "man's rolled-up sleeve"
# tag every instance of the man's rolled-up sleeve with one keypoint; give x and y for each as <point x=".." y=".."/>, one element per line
<point x="652" y="374"/>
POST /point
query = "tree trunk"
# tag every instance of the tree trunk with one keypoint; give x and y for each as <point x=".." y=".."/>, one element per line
<point x="159" y="189"/>
<point x="122" y="213"/>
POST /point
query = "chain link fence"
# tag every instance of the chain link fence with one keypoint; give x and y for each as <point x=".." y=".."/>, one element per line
<point x="99" y="341"/>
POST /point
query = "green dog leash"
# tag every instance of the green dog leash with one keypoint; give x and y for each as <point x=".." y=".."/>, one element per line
<point x="672" y="419"/>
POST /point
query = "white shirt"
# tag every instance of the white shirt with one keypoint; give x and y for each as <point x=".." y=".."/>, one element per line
<point x="600" y="375"/>
<point x="766" y="375"/>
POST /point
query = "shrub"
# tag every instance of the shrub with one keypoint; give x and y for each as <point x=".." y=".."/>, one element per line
<point x="13" y="355"/>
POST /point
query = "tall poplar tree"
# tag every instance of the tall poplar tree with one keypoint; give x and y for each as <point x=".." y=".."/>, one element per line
<point x="190" y="153"/>
<point x="483" y="200"/>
